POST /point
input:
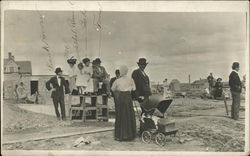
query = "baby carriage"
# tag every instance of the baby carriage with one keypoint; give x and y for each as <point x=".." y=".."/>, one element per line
<point x="155" y="126"/>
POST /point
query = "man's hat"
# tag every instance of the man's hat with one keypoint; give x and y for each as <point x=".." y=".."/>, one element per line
<point x="71" y="60"/>
<point x="235" y="65"/>
<point x="58" y="70"/>
<point x="98" y="61"/>
<point x="142" y="61"/>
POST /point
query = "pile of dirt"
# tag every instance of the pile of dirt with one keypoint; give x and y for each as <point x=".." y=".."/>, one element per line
<point x="225" y="137"/>
<point x="16" y="119"/>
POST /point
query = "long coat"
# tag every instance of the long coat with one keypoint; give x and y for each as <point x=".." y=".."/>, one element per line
<point x="142" y="83"/>
<point x="99" y="73"/>
<point x="59" y="92"/>
<point x="234" y="82"/>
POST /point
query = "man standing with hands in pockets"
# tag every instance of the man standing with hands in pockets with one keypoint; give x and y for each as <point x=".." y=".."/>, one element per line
<point x="236" y="88"/>
<point x="58" y="86"/>
<point x="142" y="83"/>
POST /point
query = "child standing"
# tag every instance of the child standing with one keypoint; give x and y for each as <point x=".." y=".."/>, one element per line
<point x="80" y="83"/>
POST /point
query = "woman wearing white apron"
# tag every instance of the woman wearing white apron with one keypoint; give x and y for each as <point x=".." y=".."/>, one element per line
<point x="87" y="78"/>
<point x="72" y="74"/>
<point x="80" y="82"/>
<point x="72" y="82"/>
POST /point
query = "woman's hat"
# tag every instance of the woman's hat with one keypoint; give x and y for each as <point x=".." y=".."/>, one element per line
<point x="58" y="70"/>
<point x="85" y="60"/>
<point x="80" y="64"/>
<point x="219" y="79"/>
<point x="142" y="61"/>
<point x="71" y="61"/>
<point x="123" y="70"/>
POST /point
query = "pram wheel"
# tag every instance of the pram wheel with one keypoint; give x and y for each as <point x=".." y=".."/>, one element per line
<point x="146" y="137"/>
<point x="160" y="139"/>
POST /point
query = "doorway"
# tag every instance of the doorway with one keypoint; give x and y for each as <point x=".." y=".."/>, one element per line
<point x="33" y="87"/>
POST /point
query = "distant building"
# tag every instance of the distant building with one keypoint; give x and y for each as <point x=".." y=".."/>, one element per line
<point x="185" y="87"/>
<point x="174" y="85"/>
<point x="21" y="71"/>
<point x="198" y="86"/>
<point x="13" y="66"/>
<point x="156" y="87"/>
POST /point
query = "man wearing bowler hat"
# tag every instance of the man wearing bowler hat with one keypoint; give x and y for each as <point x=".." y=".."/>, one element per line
<point x="235" y="87"/>
<point x="58" y="86"/>
<point x="142" y="82"/>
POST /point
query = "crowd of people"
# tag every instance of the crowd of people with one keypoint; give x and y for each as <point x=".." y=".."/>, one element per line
<point x="93" y="79"/>
<point x="235" y="84"/>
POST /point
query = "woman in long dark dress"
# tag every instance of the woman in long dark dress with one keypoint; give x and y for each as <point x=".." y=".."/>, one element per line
<point x="125" y="124"/>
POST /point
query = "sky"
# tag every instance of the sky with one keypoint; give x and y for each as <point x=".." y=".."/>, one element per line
<point x="174" y="44"/>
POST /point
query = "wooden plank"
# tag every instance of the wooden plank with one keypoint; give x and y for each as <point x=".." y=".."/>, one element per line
<point x="59" y="136"/>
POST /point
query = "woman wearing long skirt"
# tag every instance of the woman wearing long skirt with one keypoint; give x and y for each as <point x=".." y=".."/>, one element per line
<point x="125" y="124"/>
<point x="88" y="72"/>
<point x="72" y="74"/>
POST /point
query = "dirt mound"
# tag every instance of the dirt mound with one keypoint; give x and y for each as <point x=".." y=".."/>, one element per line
<point x="225" y="137"/>
<point x="16" y="119"/>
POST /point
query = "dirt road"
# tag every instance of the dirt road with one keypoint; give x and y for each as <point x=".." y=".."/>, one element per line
<point x="202" y="124"/>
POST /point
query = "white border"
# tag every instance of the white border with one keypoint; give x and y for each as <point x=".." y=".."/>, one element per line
<point x="131" y="6"/>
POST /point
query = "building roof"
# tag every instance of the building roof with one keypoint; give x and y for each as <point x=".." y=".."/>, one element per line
<point x="185" y="84"/>
<point x="25" y="66"/>
<point x="5" y="61"/>
<point x="175" y="81"/>
<point x="202" y="81"/>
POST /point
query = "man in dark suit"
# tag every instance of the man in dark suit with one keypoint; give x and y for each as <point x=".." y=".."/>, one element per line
<point x="57" y="94"/>
<point x="235" y="87"/>
<point x="112" y="80"/>
<point x="142" y="82"/>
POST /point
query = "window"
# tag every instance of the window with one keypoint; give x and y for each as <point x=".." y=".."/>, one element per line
<point x="11" y="69"/>
<point x="5" y="69"/>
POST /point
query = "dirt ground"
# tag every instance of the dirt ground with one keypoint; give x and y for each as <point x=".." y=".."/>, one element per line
<point x="202" y="124"/>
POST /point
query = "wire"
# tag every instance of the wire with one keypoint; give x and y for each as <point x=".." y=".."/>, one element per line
<point x="100" y="31"/>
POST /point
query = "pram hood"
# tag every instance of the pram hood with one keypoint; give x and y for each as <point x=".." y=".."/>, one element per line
<point x="156" y="101"/>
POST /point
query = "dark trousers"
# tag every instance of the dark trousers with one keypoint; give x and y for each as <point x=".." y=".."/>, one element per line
<point x="62" y="106"/>
<point x="145" y="101"/>
<point x="235" y="108"/>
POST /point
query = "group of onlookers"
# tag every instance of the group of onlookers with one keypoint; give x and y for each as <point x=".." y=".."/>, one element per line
<point x="236" y="86"/>
<point x="215" y="86"/>
<point x="125" y="89"/>
<point x="87" y="78"/>
<point x="22" y="95"/>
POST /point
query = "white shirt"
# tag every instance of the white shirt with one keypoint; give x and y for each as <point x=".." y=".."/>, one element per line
<point x="72" y="71"/>
<point x="123" y="83"/>
<point x="143" y="73"/>
<point x="88" y="71"/>
<point x="236" y="72"/>
<point x="58" y="80"/>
